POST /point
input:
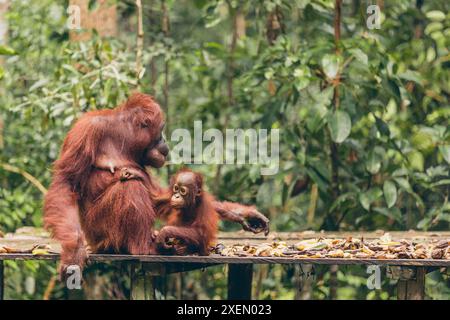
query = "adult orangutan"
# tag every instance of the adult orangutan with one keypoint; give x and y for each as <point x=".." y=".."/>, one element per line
<point x="89" y="200"/>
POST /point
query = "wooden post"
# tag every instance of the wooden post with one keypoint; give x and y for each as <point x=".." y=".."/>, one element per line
<point x="334" y="268"/>
<point x="304" y="281"/>
<point x="140" y="286"/>
<point x="2" y="280"/>
<point x="413" y="288"/>
<point x="240" y="281"/>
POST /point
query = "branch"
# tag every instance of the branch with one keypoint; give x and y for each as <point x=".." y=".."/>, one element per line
<point x="334" y="148"/>
<point x="229" y="78"/>
<point x="153" y="69"/>
<point x="337" y="39"/>
<point x="139" y="41"/>
<point x="312" y="204"/>
<point x="50" y="286"/>
<point x="25" y="174"/>
<point x="165" y="29"/>
<point x="337" y="23"/>
<point x="165" y="26"/>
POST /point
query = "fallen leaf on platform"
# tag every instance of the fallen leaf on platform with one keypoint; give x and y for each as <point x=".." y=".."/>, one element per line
<point x="349" y="248"/>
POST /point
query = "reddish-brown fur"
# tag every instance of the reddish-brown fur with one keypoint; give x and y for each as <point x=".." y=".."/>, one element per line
<point x="88" y="202"/>
<point x="194" y="226"/>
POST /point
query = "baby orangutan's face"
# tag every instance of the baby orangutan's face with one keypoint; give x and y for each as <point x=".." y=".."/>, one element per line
<point x="184" y="190"/>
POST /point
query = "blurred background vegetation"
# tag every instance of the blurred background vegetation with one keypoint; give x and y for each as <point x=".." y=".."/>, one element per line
<point x="364" y="118"/>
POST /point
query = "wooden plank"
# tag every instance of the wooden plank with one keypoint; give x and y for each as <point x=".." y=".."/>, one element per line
<point x="412" y="289"/>
<point x="217" y="259"/>
<point x="240" y="281"/>
<point x="2" y="280"/>
<point x="25" y="238"/>
<point x="286" y="236"/>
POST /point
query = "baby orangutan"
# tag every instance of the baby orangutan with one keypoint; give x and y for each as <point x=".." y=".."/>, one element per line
<point x="191" y="221"/>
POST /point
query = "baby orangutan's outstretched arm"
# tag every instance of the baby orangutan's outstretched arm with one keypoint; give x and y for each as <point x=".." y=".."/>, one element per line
<point x="248" y="216"/>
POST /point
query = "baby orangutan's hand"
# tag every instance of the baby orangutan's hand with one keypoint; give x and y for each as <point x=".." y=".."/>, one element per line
<point x="155" y="235"/>
<point x="129" y="173"/>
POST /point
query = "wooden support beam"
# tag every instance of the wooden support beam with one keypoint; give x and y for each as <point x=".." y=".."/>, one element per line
<point x="141" y="283"/>
<point x="334" y="268"/>
<point x="240" y="281"/>
<point x="304" y="281"/>
<point x="2" y="280"/>
<point x="412" y="287"/>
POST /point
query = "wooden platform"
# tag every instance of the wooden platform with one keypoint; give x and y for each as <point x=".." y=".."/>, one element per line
<point x="240" y="268"/>
<point x="26" y="238"/>
<point x="215" y="259"/>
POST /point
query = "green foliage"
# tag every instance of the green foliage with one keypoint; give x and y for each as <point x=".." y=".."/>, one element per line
<point x="390" y="125"/>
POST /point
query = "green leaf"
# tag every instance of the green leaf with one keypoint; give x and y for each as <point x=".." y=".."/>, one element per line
<point x="317" y="111"/>
<point x="301" y="78"/>
<point x="435" y="15"/>
<point x="445" y="151"/>
<point x="433" y="27"/>
<point x="349" y="196"/>
<point x="423" y="139"/>
<point x="438" y="171"/>
<point x="382" y="127"/>
<point x="38" y="84"/>
<point x="321" y="182"/>
<point x="360" y="56"/>
<point x="400" y="172"/>
<point x="411" y="75"/>
<point x="7" y="51"/>
<point x="367" y="198"/>
<point x="265" y="193"/>
<point x="301" y="83"/>
<point x="373" y="163"/>
<point x="416" y="160"/>
<point x="440" y="183"/>
<point x="394" y="89"/>
<point x="330" y="65"/>
<point x="404" y="184"/>
<point x="424" y="223"/>
<point x="390" y="193"/>
<point x="340" y="126"/>
<point x="393" y="213"/>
